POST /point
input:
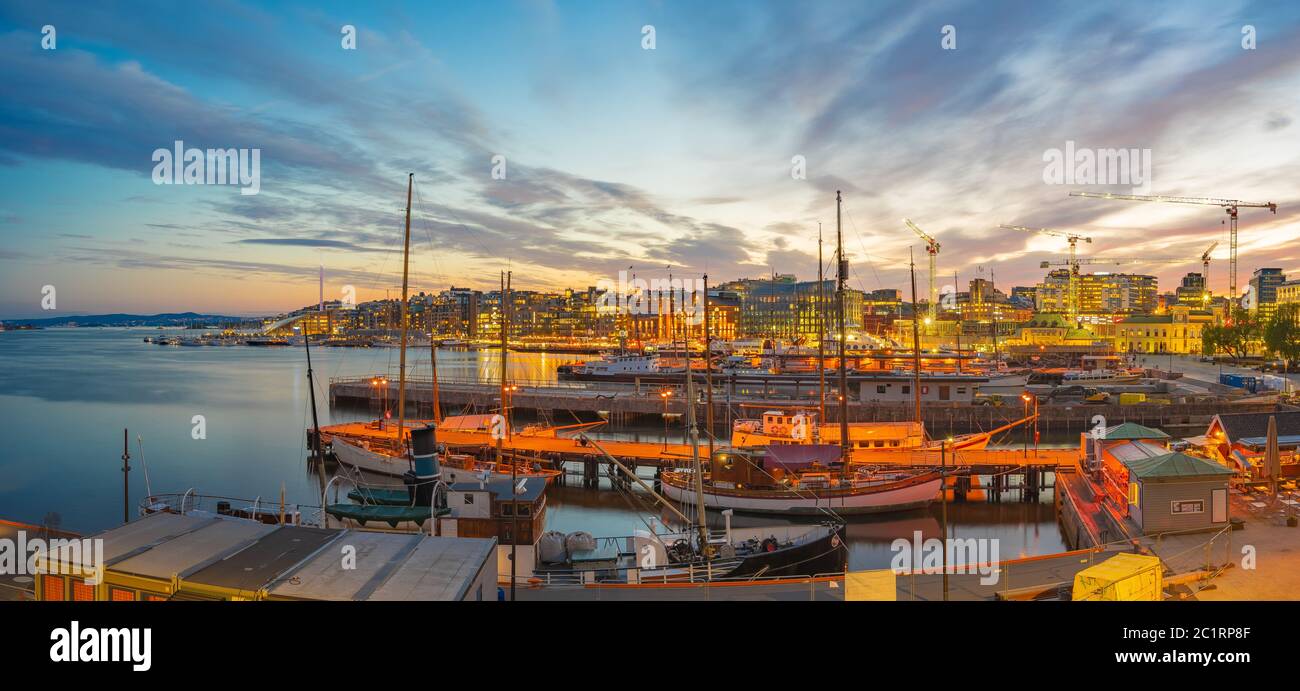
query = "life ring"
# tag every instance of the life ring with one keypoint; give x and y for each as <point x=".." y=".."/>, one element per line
<point x="769" y="544"/>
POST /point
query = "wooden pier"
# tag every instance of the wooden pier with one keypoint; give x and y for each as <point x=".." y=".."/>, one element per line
<point x="620" y="403"/>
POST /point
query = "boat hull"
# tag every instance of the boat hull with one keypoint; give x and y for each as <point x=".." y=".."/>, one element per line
<point x="908" y="494"/>
<point x="354" y="456"/>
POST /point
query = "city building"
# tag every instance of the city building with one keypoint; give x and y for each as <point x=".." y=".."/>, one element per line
<point x="1176" y="331"/>
<point x="1097" y="292"/>
<point x="1262" y="295"/>
<point x="783" y="308"/>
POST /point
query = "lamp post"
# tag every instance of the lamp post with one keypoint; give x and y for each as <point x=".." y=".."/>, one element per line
<point x="1031" y="398"/>
<point x="665" y="395"/>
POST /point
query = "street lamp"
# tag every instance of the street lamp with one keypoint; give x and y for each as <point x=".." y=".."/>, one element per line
<point x="1028" y="397"/>
<point x="381" y="383"/>
<point x="665" y="395"/>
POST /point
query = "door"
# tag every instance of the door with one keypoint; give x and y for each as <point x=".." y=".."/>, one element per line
<point x="1218" y="505"/>
<point x="944" y="393"/>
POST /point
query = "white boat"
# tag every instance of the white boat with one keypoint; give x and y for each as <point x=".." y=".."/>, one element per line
<point x="356" y="453"/>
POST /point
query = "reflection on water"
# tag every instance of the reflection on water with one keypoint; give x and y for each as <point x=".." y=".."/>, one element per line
<point x="68" y="394"/>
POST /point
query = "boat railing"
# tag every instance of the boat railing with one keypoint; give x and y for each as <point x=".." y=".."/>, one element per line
<point x="239" y="507"/>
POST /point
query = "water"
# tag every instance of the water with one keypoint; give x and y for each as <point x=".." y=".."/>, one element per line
<point x="67" y="394"/>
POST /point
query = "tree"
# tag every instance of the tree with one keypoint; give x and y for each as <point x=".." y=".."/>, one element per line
<point x="1235" y="338"/>
<point x="1282" y="333"/>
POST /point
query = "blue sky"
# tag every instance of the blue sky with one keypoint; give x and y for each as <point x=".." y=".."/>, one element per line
<point x="618" y="156"/>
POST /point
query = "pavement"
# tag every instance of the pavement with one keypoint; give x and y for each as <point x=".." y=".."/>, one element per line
<point x="1201" y="374"/>
<point x="1265" y="555"/>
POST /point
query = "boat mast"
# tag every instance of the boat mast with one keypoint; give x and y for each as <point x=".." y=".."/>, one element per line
<point x="821" y="336"/>
<point x="916" y="342"/>
<point x="697" y="469"/>
<point x="433" y="371"/>
<point x="708" y="370"/>
<point x="401" y="366"/>
<point x="311" y="392"/>
<point x="954" y="298"/>
<point x="505" y="334"/>
<point x="841" y="280"/>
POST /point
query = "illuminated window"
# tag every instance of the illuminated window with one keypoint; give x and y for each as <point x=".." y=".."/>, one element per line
<point x="150" y="597"/>
<point x="52" y="588"/>
<point x="82" y="592"/>
<point x="121" y="595"/>
<point x="1133" y="493"/>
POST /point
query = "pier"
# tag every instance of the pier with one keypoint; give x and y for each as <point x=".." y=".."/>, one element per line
<point x="732" y="400"/>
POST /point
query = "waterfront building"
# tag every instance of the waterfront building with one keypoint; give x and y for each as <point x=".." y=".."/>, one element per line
<point x="1176" y="331"/>
<point x="211" y="556"/>
<point x="1238" y="441"/>
<point x="783" y="308"/>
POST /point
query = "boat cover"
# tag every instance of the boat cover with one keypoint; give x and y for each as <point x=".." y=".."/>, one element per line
<point x="800" y="456"/>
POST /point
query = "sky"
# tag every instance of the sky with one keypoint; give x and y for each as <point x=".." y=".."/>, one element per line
<point x="718" y="149"/>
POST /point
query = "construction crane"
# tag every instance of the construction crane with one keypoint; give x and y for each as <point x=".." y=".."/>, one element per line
<point x="931" y="246"/>
<point x="1073" y="263"/>
<point x="1205" y="272"/>
<point x="1230" y="206"/>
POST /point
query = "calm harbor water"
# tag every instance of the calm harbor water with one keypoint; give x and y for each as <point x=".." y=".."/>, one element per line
<point x="67" y="394"/>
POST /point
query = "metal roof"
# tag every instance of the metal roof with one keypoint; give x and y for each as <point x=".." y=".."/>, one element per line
<point x="1132" y="430"/>
<point x="1136" y="450"/>
<point x="217" y="537"/>
<point x="440" y="568"/>
<point x="1239" y="425"/>
<point x="251" y="568"/>
<point x="1175" y="465"/>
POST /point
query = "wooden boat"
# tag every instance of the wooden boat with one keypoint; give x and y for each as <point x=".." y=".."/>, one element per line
<point x="801" y="480"/>
<point x="379" y="457"/>
<point x="865" y="438"/>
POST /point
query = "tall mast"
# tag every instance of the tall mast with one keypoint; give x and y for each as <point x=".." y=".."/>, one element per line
<point x="954" y="298"/>
<point x="401" y="366"/>
<point x="433" y="370"/>
<point x="842" y="277"/>
<point x="505" y="334"/>
<point x="697" y="469"/>
<point x="311" y="392"/>
<point x="821" y="336"/>
<point x="708" y="369"/>
<point x="916" y="342"/>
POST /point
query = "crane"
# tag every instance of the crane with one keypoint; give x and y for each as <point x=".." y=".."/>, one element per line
<point x="1205" y="272"/>
<point x="1073" y="263"/>
<point x="931" y="246"/>
<point x="1230" y="206"/>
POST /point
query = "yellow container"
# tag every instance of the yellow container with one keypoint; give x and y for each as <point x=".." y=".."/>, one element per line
<point x="1123" y="577"/>
<point x="1132" y="398"/>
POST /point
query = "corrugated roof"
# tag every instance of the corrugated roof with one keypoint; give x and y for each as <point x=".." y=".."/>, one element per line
<point x="1175" y="465"/>
<point x="1136" y="450"/>
<point x="1132" y="430"/>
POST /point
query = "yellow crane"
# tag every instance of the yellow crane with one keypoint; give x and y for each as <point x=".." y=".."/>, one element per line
<point x="1205" y="272"/>
<point x="1073" y="262"/>
<point x="931" y="246"/>
<point x="1230" y="207"/>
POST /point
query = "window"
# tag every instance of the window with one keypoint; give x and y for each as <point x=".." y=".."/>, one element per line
<point x="880" y="388"/>
<point x="907" y="389"/>
<point x="121" y="595"/>
<point x="52" y="588"/>
<point x="82" y="592"/>
<point x="469" y="499"/>
<point x="1187" y="506"/>
<point x="507" y="509"/>
<point x="1133" y="493"/>
<point x="152" y="597"/>
<point x="525" y="509"/>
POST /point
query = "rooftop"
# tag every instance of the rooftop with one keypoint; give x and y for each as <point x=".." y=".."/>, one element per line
<point x="1175" y="465"/>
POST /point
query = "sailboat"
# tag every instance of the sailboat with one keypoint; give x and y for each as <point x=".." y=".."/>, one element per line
<point x="375" y="448"/>
<point x="793" y="473"/>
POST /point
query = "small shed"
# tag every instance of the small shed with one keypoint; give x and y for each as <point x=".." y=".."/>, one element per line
<point x="1176" y="491"/>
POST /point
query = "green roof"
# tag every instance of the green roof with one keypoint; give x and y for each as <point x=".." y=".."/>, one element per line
<point x="1174" y="465"/>
<point x="1132" y="430"/>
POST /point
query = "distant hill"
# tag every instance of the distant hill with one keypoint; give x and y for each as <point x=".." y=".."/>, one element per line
<point x="169" y="319"/>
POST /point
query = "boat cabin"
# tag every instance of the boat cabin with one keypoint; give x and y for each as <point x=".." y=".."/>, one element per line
<point x="775" y="466"/>
<point x="488" y="509"/>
